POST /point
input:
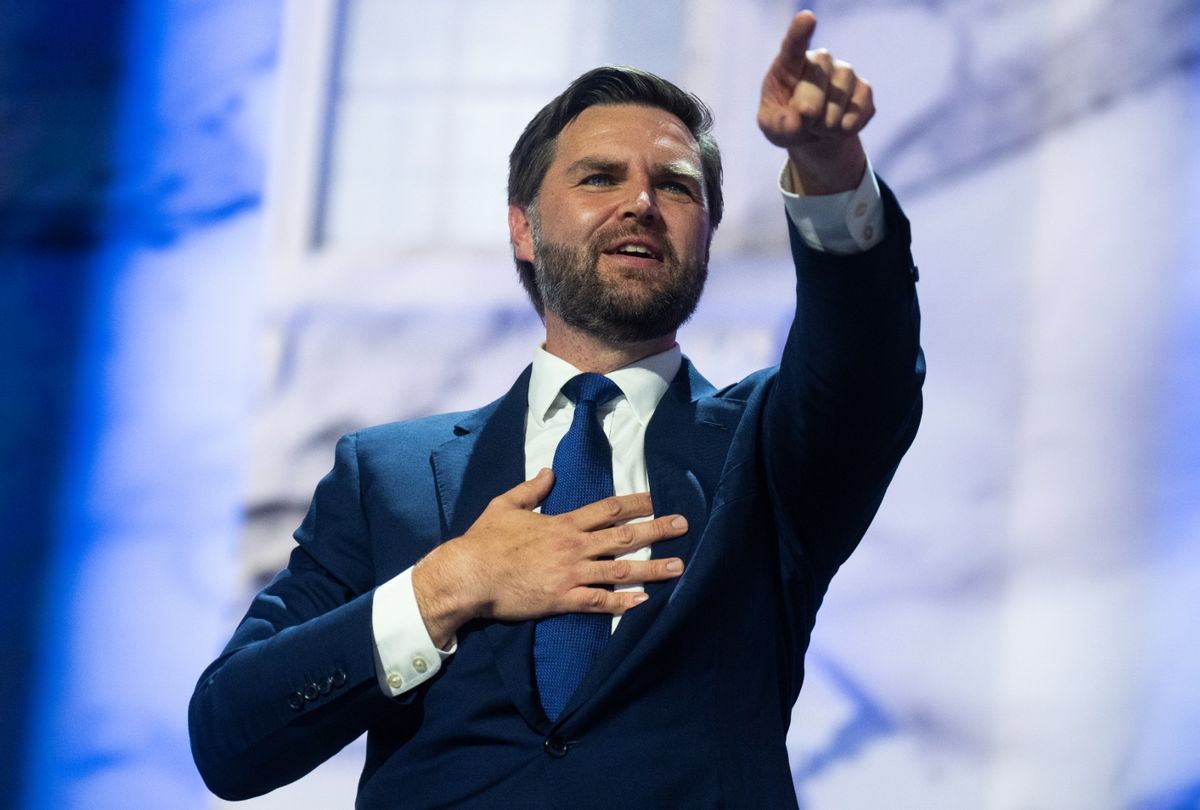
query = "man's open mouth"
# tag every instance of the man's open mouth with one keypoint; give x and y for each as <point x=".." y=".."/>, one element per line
<point x="636" y="248"/>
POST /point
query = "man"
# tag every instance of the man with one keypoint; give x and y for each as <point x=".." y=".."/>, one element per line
<point x="640" y="639"/>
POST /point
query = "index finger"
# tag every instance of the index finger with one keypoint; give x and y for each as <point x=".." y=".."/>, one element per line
<point x="528" y="494"/>
<point x="793" y="53"/>
<point x="612" y="510"/>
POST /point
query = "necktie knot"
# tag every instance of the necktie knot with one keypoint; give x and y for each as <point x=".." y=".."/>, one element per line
<point x="590" y="387"/>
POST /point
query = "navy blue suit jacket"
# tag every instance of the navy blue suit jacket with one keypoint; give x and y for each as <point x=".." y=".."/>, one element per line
<point x="778" y="475"/>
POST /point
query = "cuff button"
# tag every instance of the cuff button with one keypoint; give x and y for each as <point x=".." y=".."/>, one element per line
<point x="337" y="678"/>
<point x="394" y="680"/>
<point x="295" y="701"/>
<point x="419" y="664"/>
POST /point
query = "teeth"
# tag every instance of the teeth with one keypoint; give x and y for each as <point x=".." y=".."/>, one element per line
<point x="636" y="250"/>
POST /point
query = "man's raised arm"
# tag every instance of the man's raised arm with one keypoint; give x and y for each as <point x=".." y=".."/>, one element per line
<point x="847" y="401"/>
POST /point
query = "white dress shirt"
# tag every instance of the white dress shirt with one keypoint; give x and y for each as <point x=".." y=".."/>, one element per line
<point x="405" y="655"/>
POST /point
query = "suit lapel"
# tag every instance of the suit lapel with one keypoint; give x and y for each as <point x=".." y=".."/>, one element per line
<point x="686" y="444"/>
<point x="486" y="458"/>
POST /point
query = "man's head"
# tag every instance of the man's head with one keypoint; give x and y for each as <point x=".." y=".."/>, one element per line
<point x="622" y="158"/>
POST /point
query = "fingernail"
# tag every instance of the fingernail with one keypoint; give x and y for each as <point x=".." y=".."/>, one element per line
<point x="679" y="523"/>
<point x="641" y="597"/>
<point x="675" y="566"/>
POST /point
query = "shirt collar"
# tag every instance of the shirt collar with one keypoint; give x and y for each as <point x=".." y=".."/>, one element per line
<point x="643" y="382"/>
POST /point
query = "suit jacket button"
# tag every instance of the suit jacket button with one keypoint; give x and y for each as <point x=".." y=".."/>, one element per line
<point x="325" y="684"/>
<point x="295" y="701"/>
<point x="337" y="678"/>
<point x="310" y="692"/>
<point x="556" y="747"/>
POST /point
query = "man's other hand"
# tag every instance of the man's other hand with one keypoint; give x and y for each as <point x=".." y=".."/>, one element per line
<point x="814" y="106"/>
<point x="515" y="564"/>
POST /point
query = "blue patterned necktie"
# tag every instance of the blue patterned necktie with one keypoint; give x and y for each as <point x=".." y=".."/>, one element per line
<point x="566" y="646"/>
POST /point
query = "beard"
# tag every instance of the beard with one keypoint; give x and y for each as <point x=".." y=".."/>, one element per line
<point x="632" y="307"/>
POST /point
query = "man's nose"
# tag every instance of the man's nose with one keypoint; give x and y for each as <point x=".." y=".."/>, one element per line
<point x="642" y="206"/>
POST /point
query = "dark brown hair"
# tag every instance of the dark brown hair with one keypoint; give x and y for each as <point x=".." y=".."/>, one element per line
<point x="534" y="152"/>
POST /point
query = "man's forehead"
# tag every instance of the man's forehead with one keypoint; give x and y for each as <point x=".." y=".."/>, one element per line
<point x="629" y="126"/>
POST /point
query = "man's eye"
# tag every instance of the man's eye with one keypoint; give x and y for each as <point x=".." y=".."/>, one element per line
<point x="676" y="187"/>
<point x="598" y="180"/>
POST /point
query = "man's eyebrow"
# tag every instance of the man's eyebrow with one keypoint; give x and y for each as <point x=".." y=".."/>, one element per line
<point x="683" y="169"/>
<point x="595" y="164"/>
<point x="677" y="169"/>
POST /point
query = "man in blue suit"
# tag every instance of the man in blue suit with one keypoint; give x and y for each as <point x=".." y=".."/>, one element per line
<point x="415" y="604"/>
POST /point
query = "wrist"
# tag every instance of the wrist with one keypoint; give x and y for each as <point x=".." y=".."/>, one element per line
<point x="818" y="169"/>
<point x="441" y="585"/>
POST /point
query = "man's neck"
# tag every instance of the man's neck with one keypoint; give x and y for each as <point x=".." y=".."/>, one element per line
<point x="589" y="353"/>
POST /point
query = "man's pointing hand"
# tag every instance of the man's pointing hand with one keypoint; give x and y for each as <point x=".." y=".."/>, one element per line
<point x="814" y="106"/>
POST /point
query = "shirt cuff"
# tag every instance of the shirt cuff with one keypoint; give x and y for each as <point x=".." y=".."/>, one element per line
<point x="405" y="655"/>
<point x="842" y="224"/>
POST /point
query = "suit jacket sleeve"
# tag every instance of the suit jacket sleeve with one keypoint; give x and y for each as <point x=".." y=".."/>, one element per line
<point x="297" y="681"/>
<point x="847" y="400"/>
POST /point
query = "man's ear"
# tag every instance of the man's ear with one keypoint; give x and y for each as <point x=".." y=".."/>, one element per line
<point x="520" y="233"/>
